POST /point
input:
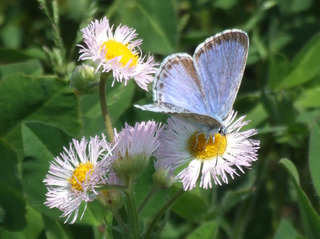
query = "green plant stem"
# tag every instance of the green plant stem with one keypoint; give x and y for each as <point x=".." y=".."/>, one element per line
<point x="116" y="215"/>
<point x="103" y="104"/>
<point x="132" y="210"/>
<point x="147" y="198"/>
<point x="162" y="211"/>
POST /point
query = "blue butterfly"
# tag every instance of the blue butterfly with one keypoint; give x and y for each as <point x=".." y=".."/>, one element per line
<point x="202" y="88"/>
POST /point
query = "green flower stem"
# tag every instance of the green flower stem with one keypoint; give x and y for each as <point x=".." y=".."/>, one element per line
<point x="146" y="200"/>
<point x="162" y="211"/>
<point x="103" y="104"/>
<point x="116" y="215"/>
<point x="132" y="210"/>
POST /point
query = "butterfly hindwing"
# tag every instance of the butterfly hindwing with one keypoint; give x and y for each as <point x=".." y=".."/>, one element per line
<point x="181" y="113"/>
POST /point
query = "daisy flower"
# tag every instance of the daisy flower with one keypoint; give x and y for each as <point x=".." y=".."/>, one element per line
<point x="134" y="147"/>
<point x="117" y="51"/>
<point x="75" y="175"/>
<point x="207" y="157"/>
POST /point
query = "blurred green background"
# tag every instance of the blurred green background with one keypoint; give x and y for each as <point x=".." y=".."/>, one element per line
<point x="39" y="113"/>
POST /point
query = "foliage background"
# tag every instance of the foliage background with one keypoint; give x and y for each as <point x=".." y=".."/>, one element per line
<point x="40" y="113"/>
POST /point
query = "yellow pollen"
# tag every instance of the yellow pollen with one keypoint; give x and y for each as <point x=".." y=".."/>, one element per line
<point x="115" y="49"/>
<point x="80" y="174"/>
<point x="203" y="148"/>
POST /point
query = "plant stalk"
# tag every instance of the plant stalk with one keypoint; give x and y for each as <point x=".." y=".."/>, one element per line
<point x="103" y="104"/>
<point x="162" y="211"/>
<point x="132" y="211"/>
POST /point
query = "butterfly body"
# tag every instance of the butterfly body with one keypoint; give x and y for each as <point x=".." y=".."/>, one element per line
<point x="202" y="88"/>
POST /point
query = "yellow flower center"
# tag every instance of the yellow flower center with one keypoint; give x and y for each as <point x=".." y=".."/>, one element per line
<point x="80" y="174"/>
<point x="203" y="148"/>
<point x="115" y="49"/>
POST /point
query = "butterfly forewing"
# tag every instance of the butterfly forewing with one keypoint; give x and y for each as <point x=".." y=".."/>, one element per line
<point x="177" y="84"/>
<point x="220" y="63"/>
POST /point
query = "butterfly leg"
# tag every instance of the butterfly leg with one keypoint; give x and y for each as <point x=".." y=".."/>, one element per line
<point x="196" y="140"/>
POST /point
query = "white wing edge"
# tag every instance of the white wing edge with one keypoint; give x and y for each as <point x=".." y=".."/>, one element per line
<point x="218" y="35"/>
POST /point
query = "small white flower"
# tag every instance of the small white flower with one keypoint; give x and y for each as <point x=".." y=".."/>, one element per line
<point x="134" y="147"/>
<point x="183" y="143"/>
<point x="75" y="175"/>
<point x="117" y="51"/>
<point x="140" y="139"/>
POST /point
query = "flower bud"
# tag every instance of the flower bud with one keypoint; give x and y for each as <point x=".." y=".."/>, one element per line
<point x="130" y="166"/>
<point x="162" y="178"/>
<point x="84" y="79"/>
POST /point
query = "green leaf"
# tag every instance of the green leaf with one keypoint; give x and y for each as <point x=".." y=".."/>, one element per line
<point x="230" y="199"/>
<point x="142" y="187"/>
<point x="8" y="167"/>
<point x="256" y="116"/>
<point x="31" y="67"/>
<point x="293" y="6"/>
<point x="42" y="99"/>
<point x="208" y="230"/>
<point x="225" y="4"/>
<point x="285" y="231"/>
<point x="310" y="97"/>
<point x="314" y="157"/>
<point x="12" y="202"/>
<point x="55" y="230"/>
<point x="119" y="99"/>
<point x="278" y="65"/>
<point x="292" y="170"/>
<point x="309" y="117"/>
<point x="280" y="107"/>
<point x="305" y="65"/>
<point x="32" y="230"/>
<point x="190" y="206"/>
<point x="13" y="205"/>
<point x="11" y="36"/>
<point x="94" y="214"/>
<point x="41" y="144"/>
<point x="155" y="22"/>
<point x="12" y="56"/>
<point x="311" y="220"/>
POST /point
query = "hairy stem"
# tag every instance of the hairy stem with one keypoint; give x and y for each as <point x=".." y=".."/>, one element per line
<point x="103" y="104"/>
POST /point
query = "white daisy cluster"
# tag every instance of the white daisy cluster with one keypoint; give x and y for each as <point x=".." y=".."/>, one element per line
<point x="77" y="174"/>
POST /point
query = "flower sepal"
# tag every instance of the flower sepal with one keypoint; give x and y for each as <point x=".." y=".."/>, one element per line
<point x="130" y="167"/>
<point x="84" y="79"/>
<point x="162" y="178"/>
